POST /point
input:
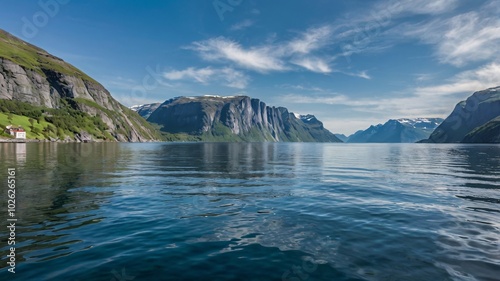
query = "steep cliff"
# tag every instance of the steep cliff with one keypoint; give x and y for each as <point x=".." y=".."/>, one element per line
<point x="237" y="118"/>
<point x="30" y="75"/>
<point x="397" y="131"/>
<point x="487" y="133"/>
<point x="470" y="120"/>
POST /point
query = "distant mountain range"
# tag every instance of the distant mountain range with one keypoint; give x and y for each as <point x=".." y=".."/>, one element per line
<point x="233" y="118"/>
<point x="145" y="110"/>
<point x="475" y="120"/>
<point x="404" y="130"/>
<point x="54" y="100"/>
<point x="342" y="137"/>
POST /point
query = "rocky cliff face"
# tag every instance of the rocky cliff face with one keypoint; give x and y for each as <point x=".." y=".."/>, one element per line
<point x="30" y="74"/>
<point x="237" y="118"/>
<point x="472" y="120"/>
<point x="487" y="133"/>
<point x="397" y="131"/>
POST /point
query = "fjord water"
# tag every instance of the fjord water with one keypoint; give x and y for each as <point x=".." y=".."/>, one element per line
<point x="253" y="211"/>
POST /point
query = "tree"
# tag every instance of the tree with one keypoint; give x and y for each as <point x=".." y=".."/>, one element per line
<point x="32" y="121"/>
<point x="60" y="133"/>
<point x="36" y="131"/>
<point x="10" y="116"/>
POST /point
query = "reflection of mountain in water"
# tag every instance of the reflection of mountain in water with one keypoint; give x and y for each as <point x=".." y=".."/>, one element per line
<point x="204" y="175"/>
<point x="50" y="198"/>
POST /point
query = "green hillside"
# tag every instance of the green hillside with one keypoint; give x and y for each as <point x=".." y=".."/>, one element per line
<point x="34" y="58"/>
<point x="50" y="123"/>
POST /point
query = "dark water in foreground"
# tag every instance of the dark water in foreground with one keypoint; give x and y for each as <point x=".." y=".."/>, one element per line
<point x="260" y="211"/>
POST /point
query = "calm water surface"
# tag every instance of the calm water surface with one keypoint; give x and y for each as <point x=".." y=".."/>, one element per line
<point x="257" y="211"/>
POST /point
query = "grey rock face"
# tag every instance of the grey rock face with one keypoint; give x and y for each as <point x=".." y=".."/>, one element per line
<point x="45" y="85"/>
<point x="238" y="118"/>
<point x="468" y="116"/>
<point x="18" y="83"/>
<point x="487" y="133"/>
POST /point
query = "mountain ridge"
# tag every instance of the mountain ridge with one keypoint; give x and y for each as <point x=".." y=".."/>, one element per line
<point x="234" y="118"/>
<point x="470" y="120"/>
<point x="402" y="130"/>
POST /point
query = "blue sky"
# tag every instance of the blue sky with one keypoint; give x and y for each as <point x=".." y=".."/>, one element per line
<point x="352" y="63"/>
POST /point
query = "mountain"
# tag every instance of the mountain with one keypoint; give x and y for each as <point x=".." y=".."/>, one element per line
<point x="487" y="133"/>
<point x="341" y="137"/>
<point x="234" y="118"/>
<point x="473" y="120"/>
<point x="145" y="110"/>
<point x="397" y="131"/>
<point x="65" y="102"/>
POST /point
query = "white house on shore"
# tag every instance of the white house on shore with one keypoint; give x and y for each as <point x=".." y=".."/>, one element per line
<point x="18" y="133"/>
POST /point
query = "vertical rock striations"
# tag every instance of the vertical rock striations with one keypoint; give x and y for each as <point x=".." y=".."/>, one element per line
<point x="237" y="118"/>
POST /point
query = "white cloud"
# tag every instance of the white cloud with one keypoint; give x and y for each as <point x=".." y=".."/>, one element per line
<point x="422" y="7"/>
<point x="234" y="78"/>
<point x="432" y="101"/>
<point x="461" y="39"/>
<point x="421" y="77"/>
<point x="201" y="75"/>
<point x="255" y="12"/>
<point x="366" y="31"/>
<point x="313" y="64"/>
<point x="302" y="88"/>
<point x="270" y="56"/>
<point x="362" y="74"/>
<point x="242" y="25"/>
<point x="130" y="101"/>
<point x="486" y="76"/>
<point x="313" y="49"/>
<point x="228" y="76"/>
<point x="311" y="40"/>
<point x="260" y="59"/>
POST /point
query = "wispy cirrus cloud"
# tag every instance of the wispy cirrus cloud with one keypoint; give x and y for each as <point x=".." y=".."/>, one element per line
<point x="315" y="49"/>
<point x="200" y="75"/>
<point x="313" y="64"/>
<point x="461" y="39"/>
<point x="431" y="101"/>
<point x="227" y="76"/>
<point x="310" y="40"/>
<point x="468" y="81"/>
<point x="261" y="58"/>
<point x="361" y="74"/>
<point x="242" y="25"/>
<point x="400" y="8"/>
<point x="300" y="87"/>
<point x="282" y="56"/>
<point x="366" y="31"/>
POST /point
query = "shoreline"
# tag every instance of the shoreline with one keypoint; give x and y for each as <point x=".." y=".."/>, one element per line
<point x="66" y="141"/>
<point x="32" y="140"/>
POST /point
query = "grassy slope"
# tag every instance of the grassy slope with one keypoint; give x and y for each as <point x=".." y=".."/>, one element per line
<point x="488" y="133"/>
<point x="34" y="58"/>
<point x="54" y="123"/>
<point x="18" y="120"/>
